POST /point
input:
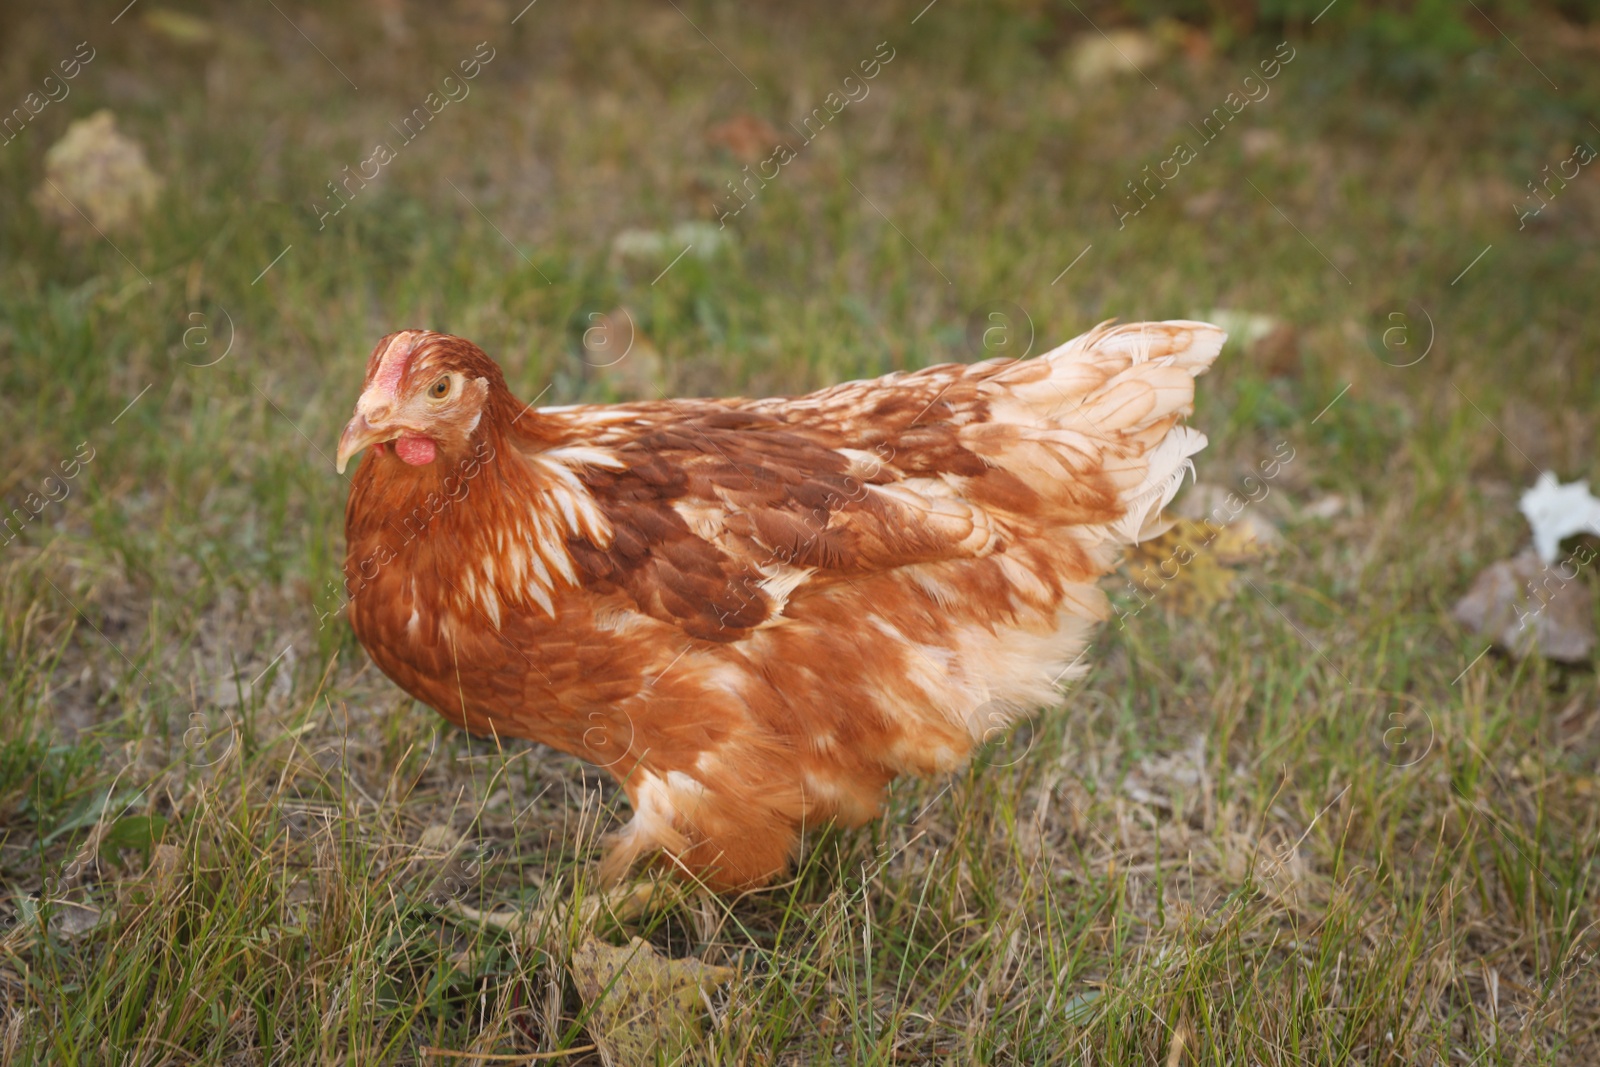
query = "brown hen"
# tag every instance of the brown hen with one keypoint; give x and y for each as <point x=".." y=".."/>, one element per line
<point x="756" y="613"/>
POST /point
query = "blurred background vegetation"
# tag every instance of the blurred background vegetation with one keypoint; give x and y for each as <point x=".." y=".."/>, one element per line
<point x="182" y="704"/>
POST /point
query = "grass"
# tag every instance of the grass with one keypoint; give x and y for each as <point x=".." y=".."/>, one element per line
<point x="1305" y="827"/>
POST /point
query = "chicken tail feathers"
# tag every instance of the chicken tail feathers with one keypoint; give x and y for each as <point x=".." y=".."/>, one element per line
<point x="1104" y="410"/>
<point x="1152" y="388"/>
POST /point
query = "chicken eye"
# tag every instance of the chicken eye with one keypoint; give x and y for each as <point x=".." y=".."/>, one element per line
<point x="440" y="389"/>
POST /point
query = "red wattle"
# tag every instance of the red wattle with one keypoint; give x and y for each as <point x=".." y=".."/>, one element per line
<point x="416" y="451"/>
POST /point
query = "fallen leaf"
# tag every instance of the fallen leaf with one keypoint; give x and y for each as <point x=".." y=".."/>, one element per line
<point x="746" y="137"/>
<point x="439" y="839"/>
<point x="662" y="246"/>
<point x="99" y="172"/>
<point x="1524" y="606"/>
<point x="179" y="27"/>
<point x="68" y="919"/>
<point x="642" y="1007"/>
<point x="1325" y="507"/>
<point x="1557" y="512"/>
<point x="1278" y="353"/>
<point x="75" y="920"/>
<point x="1182" y="1036"/>
<point x="1099" y="57"/>
<point x="1190" y="568"/>
<point x="613" y="907"/>
<point x="1257" y="143"/>
<point x="1081" y="1009"/>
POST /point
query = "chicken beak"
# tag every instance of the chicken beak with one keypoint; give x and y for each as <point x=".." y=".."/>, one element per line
<point x="358" y="434"/>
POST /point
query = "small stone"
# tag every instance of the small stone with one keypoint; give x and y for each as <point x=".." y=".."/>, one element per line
<point x="1525" y="607"/>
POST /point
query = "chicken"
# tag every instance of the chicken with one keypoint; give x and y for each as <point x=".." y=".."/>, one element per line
<point x="756" y="613"/>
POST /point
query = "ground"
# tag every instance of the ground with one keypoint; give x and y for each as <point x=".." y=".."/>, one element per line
<point x="1312" y="822"/>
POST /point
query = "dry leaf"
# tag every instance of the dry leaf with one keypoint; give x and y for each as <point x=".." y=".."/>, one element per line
<point x="1523" y="606"/>
<point x="68" y="919"/>
<point x="179" y="28"/>
<point x="73" y="920"/>
<point x="1325" y="507"/>
<point x="1257" y="143"/>
<point x="658" y="247"/>
<point x="1278" y="353"/>
<point x="746" y="137"/>
<point x="641" y="1005"/>
<point x="95" y="170"/>
<point x="1082" y="1009"/>
<point x="1099" y="57"/>
<point x="1190" y="568"/>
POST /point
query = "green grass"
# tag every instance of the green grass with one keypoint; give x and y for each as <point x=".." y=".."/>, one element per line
<point x="1294" y="830"/>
